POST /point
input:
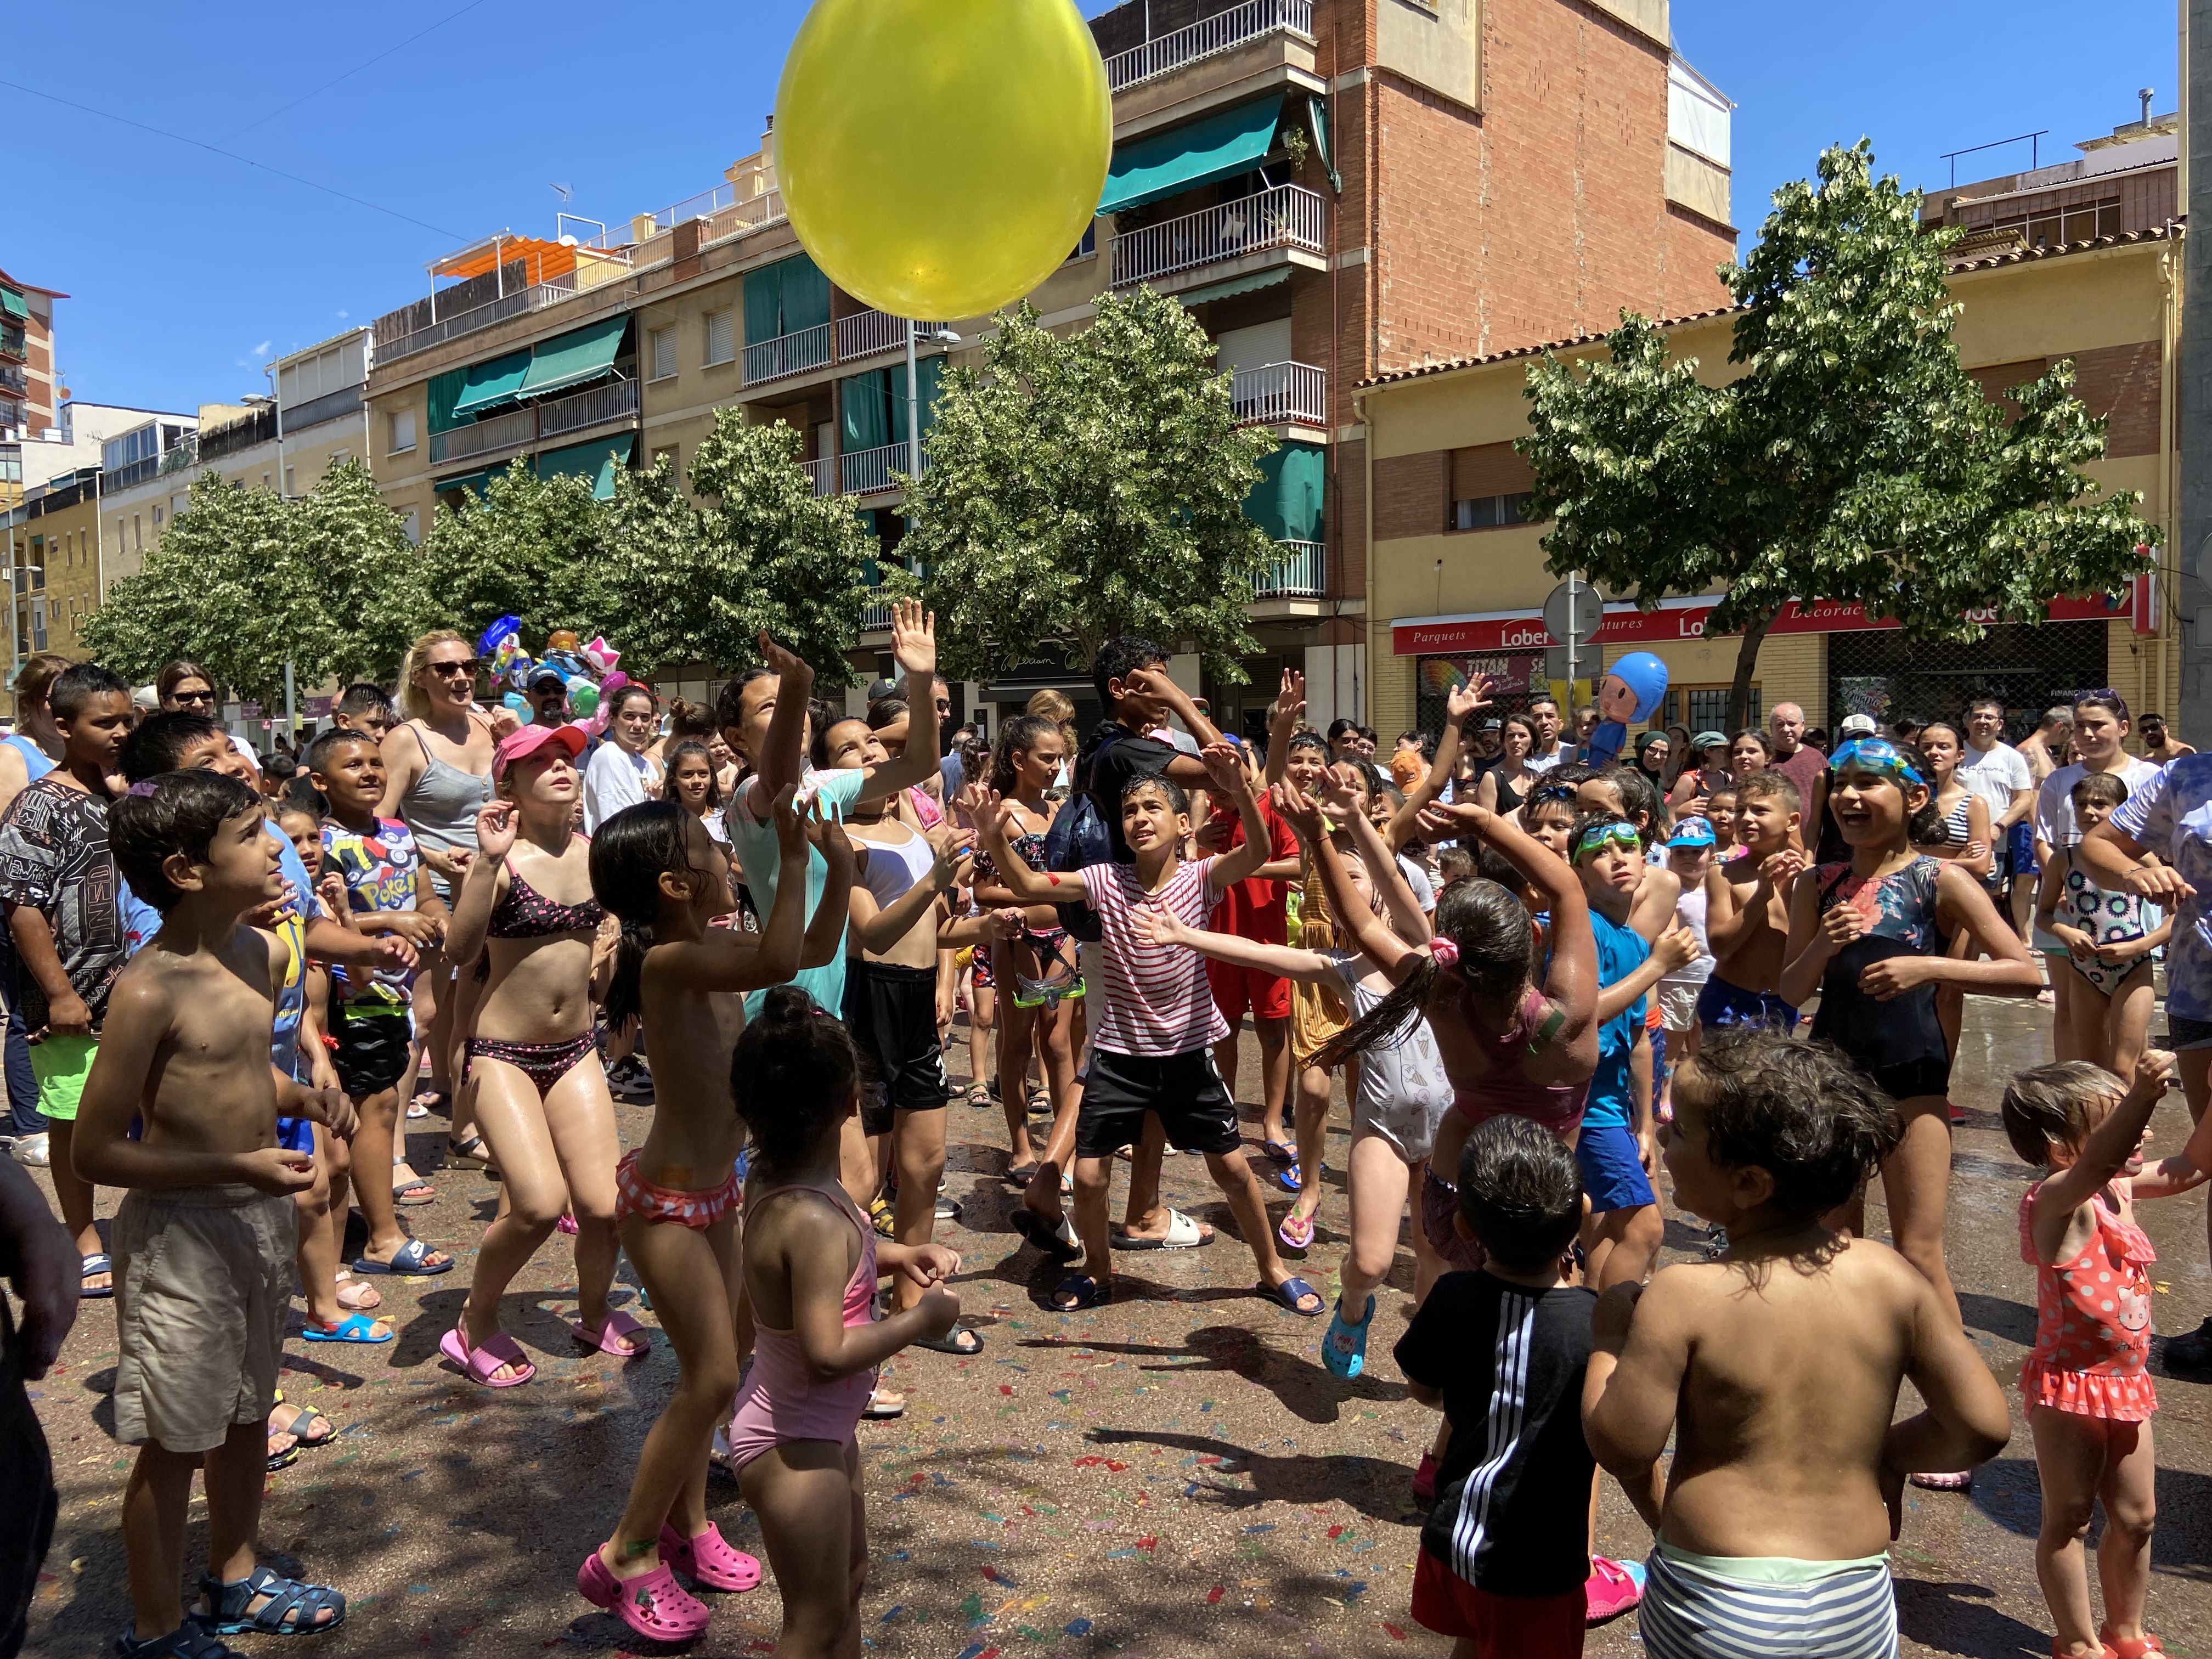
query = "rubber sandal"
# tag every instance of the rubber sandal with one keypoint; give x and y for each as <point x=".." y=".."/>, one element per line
<point x="290" y="1611"/>
<point x="1079" y="1290"/>
<point x="284" y="1459"/>
<point x="1183" y="1234"/>
<point x="100" y="1261"/>
<point x="979" y="1096"/>
<point x="2129" y="1647"/>
<point x="1292" y="1292"/>
<point x="187" y="1641"/>
<point x="1288" y="1178"/>
<point x="477" y="1364"/>
<point x="566" y="1225"/>
<point x="303" y="1414"/>
<point x="410" y="1194"/>
<point x="353" y="1327"/>
<point x="1613" y="1587"/>
<point x="882" y="1218"/>
<point x="1344" y="1350"/>
<point x="949" y="1343"/>
<point x="709" y="1558"/>
<point x="1021" y="1177"/>
<point x="1059" y="1242"/>
<point x="608" y="1338"/>
<point x="412" y="1257"/>
<point x="469" y="1150"/>
<point x="1963" y="1480"/>
<point x="880" y="1409"/>
<point x="1282" y="1152"/>
<point x="356" y="1296"/>
<point x="1297" y="1231"/>
<point x="655" y="1605"/>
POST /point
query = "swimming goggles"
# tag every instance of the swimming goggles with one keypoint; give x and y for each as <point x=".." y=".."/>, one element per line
<point x="1062" y="981"/>
<point x="1619" y="833"/>
<point x="1878" y="755"/>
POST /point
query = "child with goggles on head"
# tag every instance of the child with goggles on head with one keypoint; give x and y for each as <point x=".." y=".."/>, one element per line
<point x="1867" y="933"/>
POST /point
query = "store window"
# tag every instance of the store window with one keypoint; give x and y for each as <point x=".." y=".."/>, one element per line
<point x="1881" y="674"/>
<point x="1515" y="675"/>
<point x="1706" y="707"/>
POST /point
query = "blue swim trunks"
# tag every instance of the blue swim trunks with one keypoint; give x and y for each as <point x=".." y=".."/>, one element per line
<point x="1612" y="1174"/>
<point x="1722" y="1004"/>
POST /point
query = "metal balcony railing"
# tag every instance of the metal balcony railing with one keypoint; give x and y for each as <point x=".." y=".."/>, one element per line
<point x="184" y="456"/>
<point x="1286" y="215"/>
<point x="741" y="216"/>
<point x="866" y="333"/>
<point x="824" y="473"/>
<point x="1276" y="394"/>
<point x="535" y="296"/>
<point x="1206" y="37"/>
<point x="866" y="472"/>
<point x="1301" y="575"/>
<point x="788" y="354"/>
<point x="15" y="379"/>
<point x="518" y="428"/>
<point x="330" y="406"/>
<point x="11" y="342"/>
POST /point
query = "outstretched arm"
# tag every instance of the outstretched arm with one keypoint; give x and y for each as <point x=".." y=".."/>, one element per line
<point x="1352" y="914"/>
<point x="825" y="931"/>
<point x="1028" y="886"/>
<point x="725" y="959"/>
<point x="1571" y="982"/>
<point x="1381" y="860"/>
<point x="1283" y="716"/>
<point x="913" y="642"/>
<point x="1225" y="771"/>
<point x="780" y="764"/>
<point x="1307" y="967"/>
<point x="1462" y="704"/>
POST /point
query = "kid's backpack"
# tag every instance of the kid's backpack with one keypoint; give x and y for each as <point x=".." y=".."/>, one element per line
<point x="1079" y="836"/>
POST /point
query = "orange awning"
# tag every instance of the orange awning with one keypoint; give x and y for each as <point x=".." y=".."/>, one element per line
<point x="546" y="260"/>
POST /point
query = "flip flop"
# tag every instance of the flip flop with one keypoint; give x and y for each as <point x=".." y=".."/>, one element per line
<point x="655" y="1605"/>
<point x="1297" y="1231"/>
<point x="1183" y="1234"/>
<point x="100" y="1261"/>
<point x="1288" y="1178"/>
<point x="1344" y="1349"/>
<point x="478" y="1364"/>
<point x="1023" y="1177"/>
<point x="1283" y="1152"/>
<point x="1963" y="1480"/>
<point x="353" y="1327"/>
<point x="1292" y="1292"/>
<point x="879" y="1410"/>
<point x="1082" y="1291"/>
<point x="949" y="1343"/>
<point x="709" y="1558"/>
<point x="1059" y="1242"/>
<point x="412" y="1257"/>
<point x="607" y="1338"/>
<point x="364" y="1298"/>
<point x="412" y="1194"/>
<point x="305" y="1413"/>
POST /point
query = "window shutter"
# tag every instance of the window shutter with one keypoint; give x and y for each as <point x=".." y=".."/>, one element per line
<point x="721" y="337"/>
<point x="663" y="352"/>
<point x="1489" y="470"/>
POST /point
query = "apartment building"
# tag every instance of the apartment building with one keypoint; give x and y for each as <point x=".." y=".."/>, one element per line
<point x="1336" y="189"/>
<point x="2079" y="260"/>
<point x="30" y="398"/>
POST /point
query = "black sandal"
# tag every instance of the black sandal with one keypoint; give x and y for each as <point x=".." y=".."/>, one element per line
<point x="949" y="1343"/>
<point x="187" y="1641"/>
<point x="290" y="1609"/>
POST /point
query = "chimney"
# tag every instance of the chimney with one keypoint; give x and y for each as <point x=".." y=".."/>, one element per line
<point x="2146" y="93"/>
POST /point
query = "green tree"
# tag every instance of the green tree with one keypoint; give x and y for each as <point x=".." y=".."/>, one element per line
<point x="1849" y="458"/>
<point x="1090" y="486"/>
<point x="366" y="577"/>
<point x="534" y="548"/>
<point x="697" y="582"/>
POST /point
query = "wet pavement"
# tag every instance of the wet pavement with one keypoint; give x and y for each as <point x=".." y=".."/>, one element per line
<point x="1174" y="1473"/>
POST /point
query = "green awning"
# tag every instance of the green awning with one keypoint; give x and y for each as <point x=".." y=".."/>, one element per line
<point x="1234" y="285"/>
<point x="476" y="482"/>
<point x="494" y="382"/>
<point x="1184" y="158"/>
<point x="14" y="305"/>
<point x="1287" y="501"/>
<point x="571" y="359"/>
<point x="595" y="461"/>
<point x="447" y="389"/>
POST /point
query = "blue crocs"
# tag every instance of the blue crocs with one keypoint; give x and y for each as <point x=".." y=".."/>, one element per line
<point x="1344" y="1348"/>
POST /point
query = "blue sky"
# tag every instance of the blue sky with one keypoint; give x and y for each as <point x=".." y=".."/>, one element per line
<point x="188" y="271"/>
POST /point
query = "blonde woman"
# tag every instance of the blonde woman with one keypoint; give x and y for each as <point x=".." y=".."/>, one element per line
<point x="437" y="771"/>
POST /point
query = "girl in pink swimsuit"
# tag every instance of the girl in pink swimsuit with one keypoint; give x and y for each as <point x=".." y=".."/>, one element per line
<point x="811" y="1263"/>
<point x="655" y="867"/>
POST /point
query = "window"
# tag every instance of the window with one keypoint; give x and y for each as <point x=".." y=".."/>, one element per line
<point x="136" y="539"/>
<point x="663" y="343"/>
<point x="410" y="525"/>
<point x="337" y="459"/>
<point x="1490" y="512"/>
<point x="1088" y="246"/>
<point x="402" y="432"/>
<point x="265" y="481"/>
<point x="721" y="335"/>
<point x="1704" y="708"/>
<point x="157" y="523"/>
<point x="290" y="473"/>
<point x="671" y="453"/>
<point x="2054" y="226"/>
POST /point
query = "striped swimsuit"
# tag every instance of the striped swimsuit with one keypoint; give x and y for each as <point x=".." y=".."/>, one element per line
<point x="1714" y="1607"/>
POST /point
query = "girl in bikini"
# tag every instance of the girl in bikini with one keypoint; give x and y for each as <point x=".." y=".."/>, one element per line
<point x="810" y="1264"/>
<point x="1964" y="838"/>
<point x="2108" y="942"/>
<point x="655" y="867"/>
<point x="525" y="904"/>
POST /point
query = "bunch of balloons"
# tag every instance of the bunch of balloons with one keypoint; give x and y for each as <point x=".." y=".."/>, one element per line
<point x="589" y="672"/>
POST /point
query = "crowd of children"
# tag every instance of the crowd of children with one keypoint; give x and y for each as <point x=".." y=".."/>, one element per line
<point x="1553" y="994"/>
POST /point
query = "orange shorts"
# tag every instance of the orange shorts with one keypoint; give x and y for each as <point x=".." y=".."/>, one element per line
<point x="1236" y="989"/>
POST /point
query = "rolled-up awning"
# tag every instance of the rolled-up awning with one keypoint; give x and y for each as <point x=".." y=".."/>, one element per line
<point x="493" y="383"/>
<point x="14" y="305"/>
<point x="570" y="359"/>
<point x="594" y="461"/>
<point x="1182" y="158"/>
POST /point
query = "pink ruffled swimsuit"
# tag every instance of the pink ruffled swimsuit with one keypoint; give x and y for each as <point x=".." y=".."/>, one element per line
<point x="779" y="1399"/>
<point x="2092" y="1322"/>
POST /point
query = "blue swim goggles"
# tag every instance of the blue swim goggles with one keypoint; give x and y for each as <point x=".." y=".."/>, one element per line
<point x="1880" y="757"/>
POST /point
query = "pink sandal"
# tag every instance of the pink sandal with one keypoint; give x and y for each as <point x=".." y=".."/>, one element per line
<point x="709" y="1558"/>
<point x="655" y="1606"/>
<point x="608" y="1338"/>
<point x="479" y="1364"/>
<point x="1297" y="1231"/>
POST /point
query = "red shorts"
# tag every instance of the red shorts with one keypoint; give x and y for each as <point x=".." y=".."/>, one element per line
<point x="1236" y="989"/>
<point x="1500" y="1627"/>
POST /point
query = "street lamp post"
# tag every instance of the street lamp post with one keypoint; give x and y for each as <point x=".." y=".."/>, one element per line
<point x="913" y="400"/>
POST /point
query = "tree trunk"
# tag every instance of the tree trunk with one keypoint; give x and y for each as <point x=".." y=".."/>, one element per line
<point x="1746" y="662"/>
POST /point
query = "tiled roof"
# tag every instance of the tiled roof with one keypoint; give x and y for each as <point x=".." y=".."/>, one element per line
<point x="2173" y="228"/>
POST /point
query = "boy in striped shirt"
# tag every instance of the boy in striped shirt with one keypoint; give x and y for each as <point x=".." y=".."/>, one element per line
<point x="1157" y="1021"/>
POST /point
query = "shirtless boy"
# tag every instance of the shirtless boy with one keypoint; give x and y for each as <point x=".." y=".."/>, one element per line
<point x="1748" y="909"/>
<point x="205" y="1235"/>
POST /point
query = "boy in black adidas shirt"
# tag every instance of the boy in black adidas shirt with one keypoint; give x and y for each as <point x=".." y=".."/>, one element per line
<point x="1505" y="1554"/>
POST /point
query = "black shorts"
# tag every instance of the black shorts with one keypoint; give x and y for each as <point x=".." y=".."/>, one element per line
<point x="373" y="1047"/>
<point x="891" y="1012"/>
<point x="1913" y="1079"/>
<point x="1182" y="1091"/>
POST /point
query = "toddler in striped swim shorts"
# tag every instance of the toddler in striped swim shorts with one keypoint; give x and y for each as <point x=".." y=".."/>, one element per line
<point x="1776" y="1367"/>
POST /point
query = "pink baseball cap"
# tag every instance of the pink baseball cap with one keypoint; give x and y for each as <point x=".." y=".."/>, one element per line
<point x="526" y="741"/>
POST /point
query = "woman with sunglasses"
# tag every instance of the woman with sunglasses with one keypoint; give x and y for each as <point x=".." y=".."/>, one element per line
<point x="437" y="771"/>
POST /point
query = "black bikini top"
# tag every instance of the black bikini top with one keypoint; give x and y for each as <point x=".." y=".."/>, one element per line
<point x="526" y="913"/>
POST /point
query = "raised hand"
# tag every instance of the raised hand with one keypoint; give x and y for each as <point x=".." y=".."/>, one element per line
<point x="1464" y="699"/>
<point x="791" y="829"/>
<point x="1303" y="817"/>
<point x="914" y="637"/>
<point x="504" y="722"/>
<point x="788" y="665"/>
<point x="985" y="810"/>
<point x="1339" y="793"/>
<point x="1224" y="768"/>
<point x="1290" y="705"/>
<point x="495" y="826"/>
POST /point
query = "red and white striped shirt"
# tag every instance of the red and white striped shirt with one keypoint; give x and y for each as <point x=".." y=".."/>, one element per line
<point x="1156" y="999"/>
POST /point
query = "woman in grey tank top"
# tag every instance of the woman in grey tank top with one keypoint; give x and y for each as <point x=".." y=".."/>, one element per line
<point x="437" y="768"/>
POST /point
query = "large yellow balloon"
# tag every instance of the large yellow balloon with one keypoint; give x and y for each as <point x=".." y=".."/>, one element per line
<point x="940" y="158"/>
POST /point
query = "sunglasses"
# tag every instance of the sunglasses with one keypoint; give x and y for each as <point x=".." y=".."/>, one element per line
<point x="207" y="698"/>
<point x="457" y="666"/>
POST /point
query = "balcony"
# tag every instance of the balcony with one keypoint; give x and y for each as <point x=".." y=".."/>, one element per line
<point x="314" y="411"/>
<point x="125" y="477"/>
<point x="1301" y="575"/>
<point x="1284" y="216"/>
<point x="823" y="475"/>
<point x="868" y="471"/>
<point x="1206" y="37"/>
<point x="738" y="217"/>
<point x="868" y="333"/>
<point x="519" y="429"/>
<point x="12" y="342"/>
<point x="1280" y="394"/>
<point x="14" y="380"/>
<point x="789" y="354"/>
<point x="533" y="296"/>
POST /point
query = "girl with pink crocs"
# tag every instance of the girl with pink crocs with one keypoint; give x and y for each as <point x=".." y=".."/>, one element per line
<point x="811" y="1263"/>
<point x="2087" y="1391"/>
<point x="656" y="870"/>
